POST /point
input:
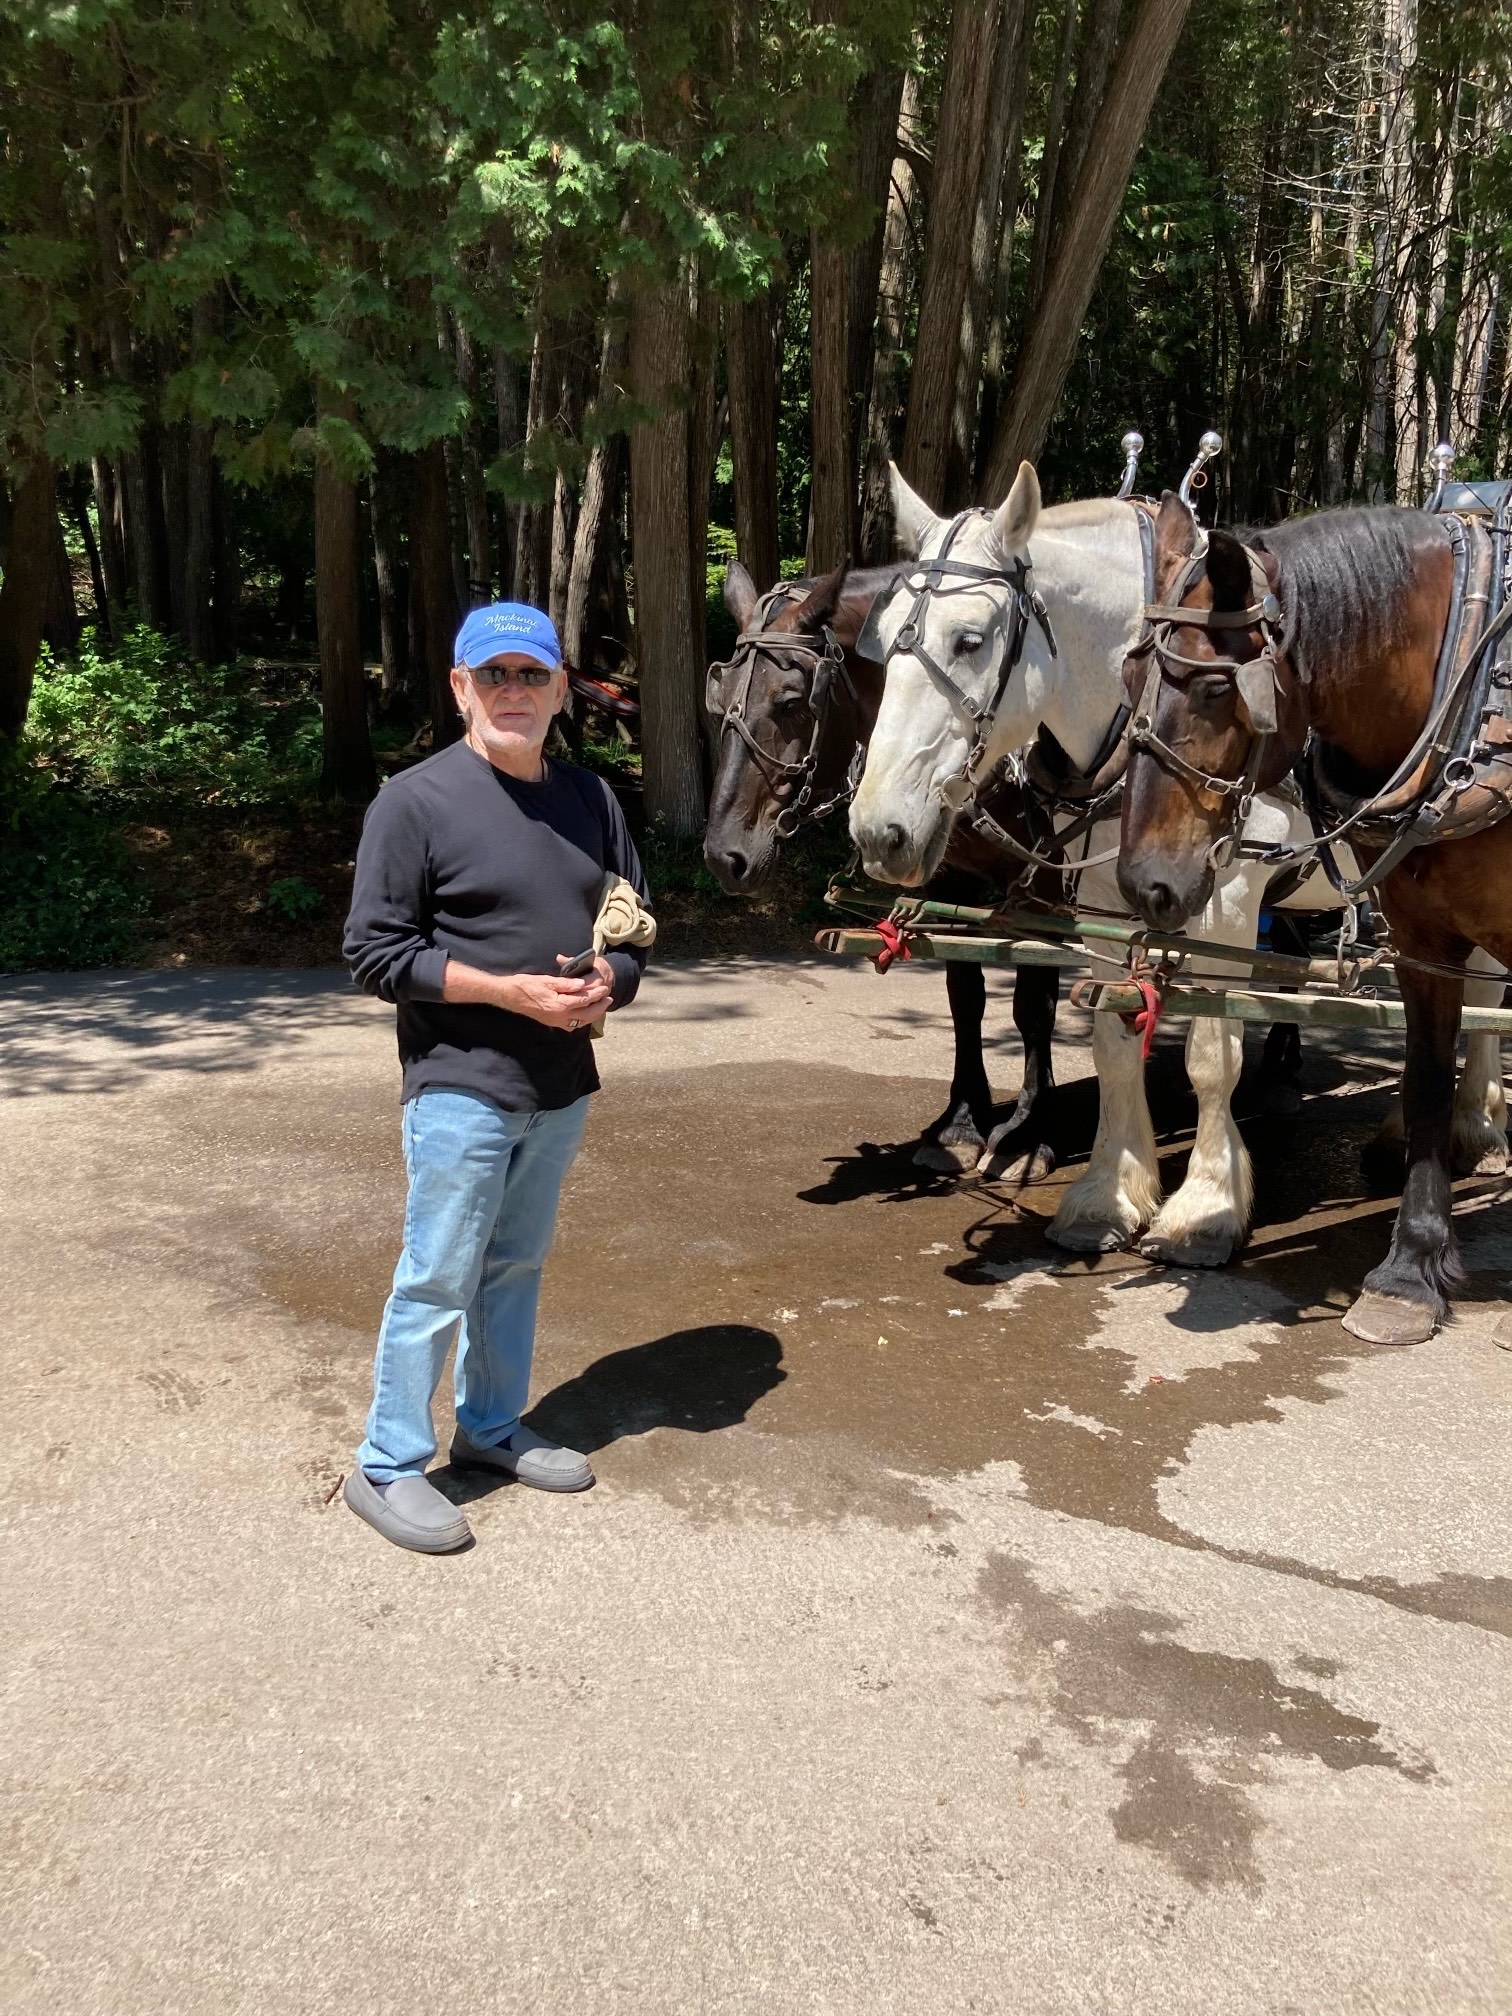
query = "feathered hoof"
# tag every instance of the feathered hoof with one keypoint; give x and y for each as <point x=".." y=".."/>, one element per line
<point x="1201" y="1246"/>
<point x="1478" y="1150"/>
<point x="1086" y="1235"/>
<point x="1388" y="1319"/>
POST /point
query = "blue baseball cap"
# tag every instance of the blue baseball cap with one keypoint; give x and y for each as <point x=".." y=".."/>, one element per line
<point x="507" y="629"/>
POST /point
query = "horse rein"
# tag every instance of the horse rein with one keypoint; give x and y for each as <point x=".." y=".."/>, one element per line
<point x="1255" y="682"/>
<point x="823" y="662"/>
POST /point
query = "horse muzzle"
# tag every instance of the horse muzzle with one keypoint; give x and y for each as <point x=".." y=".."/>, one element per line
<point x="1164" y="893"/>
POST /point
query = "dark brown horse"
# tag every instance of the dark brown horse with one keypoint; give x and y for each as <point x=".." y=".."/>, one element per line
<point x="795" y="718"/>
<point x="1348" y="647"/>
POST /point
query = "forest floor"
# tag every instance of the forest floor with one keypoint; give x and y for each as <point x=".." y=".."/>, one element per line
<point x="954" y="1625"/>
<point x="206" y="872"/>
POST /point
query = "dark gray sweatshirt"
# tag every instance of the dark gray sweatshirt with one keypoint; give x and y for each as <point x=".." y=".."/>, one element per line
<point x="459" y="860"/>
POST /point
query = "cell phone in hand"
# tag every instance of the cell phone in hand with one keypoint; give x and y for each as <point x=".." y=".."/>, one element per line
<point x="576" y="968"/>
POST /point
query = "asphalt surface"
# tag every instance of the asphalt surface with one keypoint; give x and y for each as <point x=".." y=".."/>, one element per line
<point x="953" y="1626"/>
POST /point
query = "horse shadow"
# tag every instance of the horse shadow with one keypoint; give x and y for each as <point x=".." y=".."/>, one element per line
<point x="699" y="1381"/>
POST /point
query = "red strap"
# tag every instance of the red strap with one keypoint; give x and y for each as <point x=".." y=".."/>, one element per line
<point x="1147" y="1019"/>
<point x="894" y="944"/>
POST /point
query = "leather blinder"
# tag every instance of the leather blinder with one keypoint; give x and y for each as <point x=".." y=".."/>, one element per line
<point x="1256" y="683"/>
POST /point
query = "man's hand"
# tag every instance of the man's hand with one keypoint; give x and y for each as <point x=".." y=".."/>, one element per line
<point x="542" y="997"/>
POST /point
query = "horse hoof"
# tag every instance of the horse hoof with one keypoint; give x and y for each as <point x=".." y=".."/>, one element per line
<point x="1036" y="1167"/>
<point x="948" y="1158"/>
<point x="1388" y="1319"/>
<point x="1089" y="1237"/>
<point x="1191" y="1249"/>
<point x="1492" y="1163"/>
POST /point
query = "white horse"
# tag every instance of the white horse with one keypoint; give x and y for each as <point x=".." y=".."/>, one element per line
<point x="957" y="714"/>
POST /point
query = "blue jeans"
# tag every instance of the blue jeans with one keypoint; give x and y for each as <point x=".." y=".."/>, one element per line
<point x="483" y="1188"/>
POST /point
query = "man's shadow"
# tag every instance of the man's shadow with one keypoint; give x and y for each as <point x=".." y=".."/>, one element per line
<point x="697" y="1380"/>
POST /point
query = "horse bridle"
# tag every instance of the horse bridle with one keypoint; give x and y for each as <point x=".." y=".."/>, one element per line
<point x="825" y="663"/>
<point x="1256" y="683"/>
<point x="931" y="576"/>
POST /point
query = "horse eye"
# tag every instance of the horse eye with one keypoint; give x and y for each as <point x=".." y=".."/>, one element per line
<point x="967" y="642"/>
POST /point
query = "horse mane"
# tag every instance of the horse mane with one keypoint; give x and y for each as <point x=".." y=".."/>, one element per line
<point x="1342" y="577"/>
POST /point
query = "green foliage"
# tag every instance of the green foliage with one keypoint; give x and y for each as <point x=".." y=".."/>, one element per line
<point x="141" y="720"/>
<point x="291" y="898"/>
<point x="69" y="896"/>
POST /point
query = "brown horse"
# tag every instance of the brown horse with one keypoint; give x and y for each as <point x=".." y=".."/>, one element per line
<point x="795" y="716"/>
<point x="1331" y="624"/>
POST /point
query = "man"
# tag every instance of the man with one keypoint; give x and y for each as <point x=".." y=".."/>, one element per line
<point x="478" y="878"/>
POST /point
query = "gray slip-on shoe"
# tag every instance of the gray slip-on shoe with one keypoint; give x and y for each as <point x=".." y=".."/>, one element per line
<point x="411" y="1512"/>
<point x="529" y="1457"/>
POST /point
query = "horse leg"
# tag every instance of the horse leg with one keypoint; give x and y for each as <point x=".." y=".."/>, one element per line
<point x="1207" y="1218"/>
<point x="1478" y="1138"/>
<point x="1478" y="1135"/>
<point x="1280" y="1068"/>
<point x="955" y="1142"/>
<point x="1404" y="1300"/>
<point x="1019" y="1151"/>
<point x="1106" y="1207"/>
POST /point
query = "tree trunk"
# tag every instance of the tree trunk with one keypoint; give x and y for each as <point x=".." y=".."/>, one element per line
<point x="60" y="624"/>
<point x="832" y="492"/>
<point x="1094" y="56"/>
<point x="703" y="452"/>
<point x="533" y="546"/>
<point x="195" y="623"/>
<point x="24" y="592"/>
<point x="1005" y="117"/>
<point x="595" y="524"/>
<point x="1000" y="291"/>
<point x="1390" y="264"/>
<point x="885" y="405"/>
<point x="1055" y="133"/>
<point x="78" y="502"/>
<point x="433" y="608"/>
<point x="659" y="369"/>
<point x="474" y="491"/>
<point x="141" y="511"/>
<point x="389" y="574"/>
<point x="751" y="373"/>
<point x="346" y="752"/>
<point x="506" y="375"/>
<point x="1051" y="342"/>
<point x="112" y="547"/>
<point x="959" y="151"/>
<point x="875" y="122"/>
<point x="227" y="587"/>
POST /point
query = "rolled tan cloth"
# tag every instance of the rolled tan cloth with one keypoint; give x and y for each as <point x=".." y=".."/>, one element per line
<point x="622" y="920"/>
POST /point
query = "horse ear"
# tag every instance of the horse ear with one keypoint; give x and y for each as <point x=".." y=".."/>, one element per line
<point x="740" y="594"/>
<point x="913" y="521"/>
<point x="820" y="604"/>
<point x="1017" y="516"/>
<point x="1175" y="528"/>
<point x="1228" y="570"/>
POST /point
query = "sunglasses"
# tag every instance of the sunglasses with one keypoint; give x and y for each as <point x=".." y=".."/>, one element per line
<point x="500" y="675"/>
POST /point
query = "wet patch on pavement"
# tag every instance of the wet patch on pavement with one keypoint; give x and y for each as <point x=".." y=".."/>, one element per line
<point x="1196" y="1728"/>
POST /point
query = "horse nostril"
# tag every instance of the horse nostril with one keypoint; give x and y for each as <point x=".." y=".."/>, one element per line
<point x="894" y="838"/>
<point x="736" y="865"/>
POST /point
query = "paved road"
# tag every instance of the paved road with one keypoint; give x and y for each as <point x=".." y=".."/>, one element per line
<point x="947" y="1631"/>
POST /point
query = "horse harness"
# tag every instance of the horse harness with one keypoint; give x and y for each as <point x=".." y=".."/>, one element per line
<point x="1255" y="681"/>
<point x="1044" y="774"/>
<point x="1454" y="781"/>
<point x="825" y="662"/>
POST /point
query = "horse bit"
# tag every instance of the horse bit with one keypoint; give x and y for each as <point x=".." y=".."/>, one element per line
<point x="824" y="664"/>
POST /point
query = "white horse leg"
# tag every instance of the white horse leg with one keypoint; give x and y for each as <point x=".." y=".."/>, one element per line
<point x="1202" y="1224"/>
<point x="1478" y="1144"/>
<point x="1105" y="1208"/>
